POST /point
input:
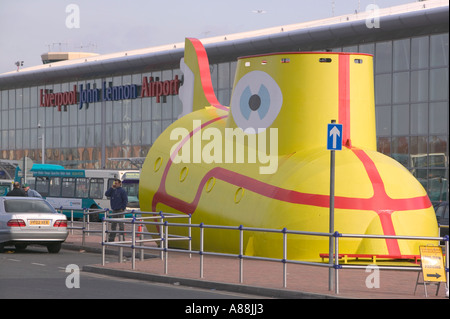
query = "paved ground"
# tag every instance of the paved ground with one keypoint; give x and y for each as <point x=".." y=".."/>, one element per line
<point x="260" y="277"/>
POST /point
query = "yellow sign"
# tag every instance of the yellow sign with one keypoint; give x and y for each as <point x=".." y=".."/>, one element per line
<point x="432" y="263"/>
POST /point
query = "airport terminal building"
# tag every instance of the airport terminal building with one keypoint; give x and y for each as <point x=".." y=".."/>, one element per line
<point x="88" y="110"/>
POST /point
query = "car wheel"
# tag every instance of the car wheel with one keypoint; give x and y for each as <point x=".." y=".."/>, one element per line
<point x="54" y="248"/>
<point x="94" y="217"/>
<point x="20" y="247"/>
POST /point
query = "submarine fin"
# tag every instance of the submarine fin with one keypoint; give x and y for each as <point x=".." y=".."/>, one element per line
<point x="197" y="91"/>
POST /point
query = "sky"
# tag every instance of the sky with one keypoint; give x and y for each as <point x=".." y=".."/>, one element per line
<point x="29" y="28"/>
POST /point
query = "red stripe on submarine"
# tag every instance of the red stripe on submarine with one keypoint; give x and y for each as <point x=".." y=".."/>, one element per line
<point x="262" y="162"/>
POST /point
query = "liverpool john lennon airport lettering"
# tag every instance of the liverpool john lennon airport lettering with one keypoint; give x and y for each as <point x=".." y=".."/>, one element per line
<point x="149" y="88"/>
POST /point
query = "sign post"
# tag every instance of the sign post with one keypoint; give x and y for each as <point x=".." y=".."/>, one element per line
<point x="334" y="143"/>
<point x="25" y="165"/>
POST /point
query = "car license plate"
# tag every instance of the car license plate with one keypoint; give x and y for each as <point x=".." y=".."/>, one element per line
<point x="39" y="222"/>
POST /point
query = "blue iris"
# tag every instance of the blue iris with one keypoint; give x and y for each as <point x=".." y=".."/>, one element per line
<point x="255" y="102"/>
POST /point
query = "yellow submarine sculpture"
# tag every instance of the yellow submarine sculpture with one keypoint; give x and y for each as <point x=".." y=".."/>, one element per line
<point x="262" y="162"/>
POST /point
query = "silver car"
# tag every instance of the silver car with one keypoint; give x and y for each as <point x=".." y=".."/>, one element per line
<point x="29" y="220"/>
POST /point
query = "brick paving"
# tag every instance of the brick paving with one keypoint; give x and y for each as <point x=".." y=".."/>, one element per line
<point x="313" y="281"/>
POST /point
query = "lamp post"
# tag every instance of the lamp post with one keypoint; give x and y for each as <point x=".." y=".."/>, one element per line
<point x="42" y="138"/>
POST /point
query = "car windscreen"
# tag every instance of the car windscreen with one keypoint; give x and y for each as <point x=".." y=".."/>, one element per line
<point x="27" y="206"/>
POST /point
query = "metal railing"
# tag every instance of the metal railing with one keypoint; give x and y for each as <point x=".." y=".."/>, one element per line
<point x="163" y="237"/>
<point x="402" y="268"/>
<point x="87" y="220"/>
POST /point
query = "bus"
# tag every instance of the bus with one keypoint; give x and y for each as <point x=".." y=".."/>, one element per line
<point x="5" y="186"/>
<point x="76" y="189"/>
<point x="7" y="168"/>
<point x="130" y="182"/>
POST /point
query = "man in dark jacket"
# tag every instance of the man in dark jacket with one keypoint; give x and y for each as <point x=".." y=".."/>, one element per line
<point x="16" y="191"/>
<point x="119" y="200"/>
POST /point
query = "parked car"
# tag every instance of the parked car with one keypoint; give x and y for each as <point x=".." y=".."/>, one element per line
<point x="29" y="220"/>
<point x="441" y="210"/>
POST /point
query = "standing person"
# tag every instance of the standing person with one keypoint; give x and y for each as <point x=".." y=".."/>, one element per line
<point x="30" y="192"/>
<point x="119" y="200"/>
<point x="16" y="191"/>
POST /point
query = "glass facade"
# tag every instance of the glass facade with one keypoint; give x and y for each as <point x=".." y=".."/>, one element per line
<point x="419" y="111"/>
<point x="411" y="103"/>
<point x="411" y="97"/>
<point x="77" y="135"/>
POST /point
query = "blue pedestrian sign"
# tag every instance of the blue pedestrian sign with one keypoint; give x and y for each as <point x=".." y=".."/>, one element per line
<point x="334" y="137"/>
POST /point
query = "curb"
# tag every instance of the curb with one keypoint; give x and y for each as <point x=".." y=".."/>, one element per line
<point x="197" y="283"/>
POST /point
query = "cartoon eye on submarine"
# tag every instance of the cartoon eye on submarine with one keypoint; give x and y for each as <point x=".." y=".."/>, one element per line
<point x="256" y="102"/>
<point x="294" y="95"/>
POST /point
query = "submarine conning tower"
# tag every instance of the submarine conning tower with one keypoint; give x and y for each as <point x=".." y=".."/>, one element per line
<point x="300" y="93"/>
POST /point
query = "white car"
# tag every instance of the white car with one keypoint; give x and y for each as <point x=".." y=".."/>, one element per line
<point x="29" y="220"/>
